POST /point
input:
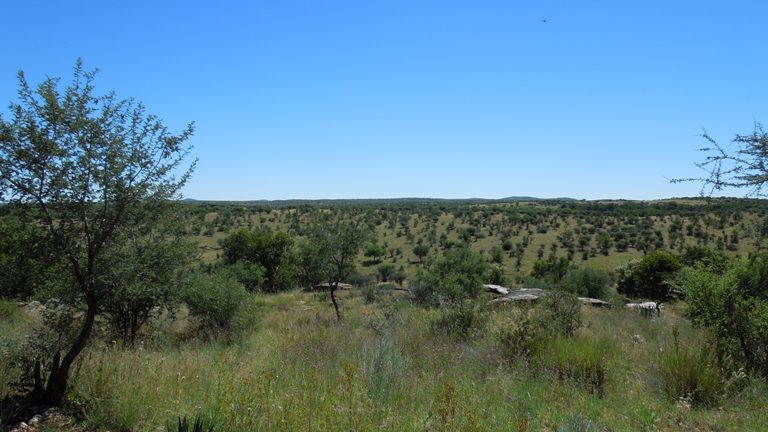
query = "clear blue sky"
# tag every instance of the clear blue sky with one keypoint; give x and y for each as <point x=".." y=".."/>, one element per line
<point x="376" y="99"/>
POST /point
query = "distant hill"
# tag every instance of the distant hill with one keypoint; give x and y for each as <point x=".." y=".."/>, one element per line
<point x="377" y="201"/>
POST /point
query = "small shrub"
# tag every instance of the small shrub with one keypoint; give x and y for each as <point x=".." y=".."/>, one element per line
<point x="370" y="294"/>
<point x="360" y="280"/>
<point x="559" y="313"/>
<point x="688" y="373"/>
<point x="8" y="310"/>
<point x="579" y="361"/>
<point x="461" y="320"/>
<point x="421" y="289"/>
<point x="496" y="275"/>
<point x="516" y="334"/>
<point x="382" y="366"/>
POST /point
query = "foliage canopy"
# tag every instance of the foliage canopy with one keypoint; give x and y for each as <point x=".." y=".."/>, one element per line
<point x="90" y="170"/>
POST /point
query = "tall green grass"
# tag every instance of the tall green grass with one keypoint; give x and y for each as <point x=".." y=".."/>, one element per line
<point x="385" y="368"/>
<point x="689" y="374"/>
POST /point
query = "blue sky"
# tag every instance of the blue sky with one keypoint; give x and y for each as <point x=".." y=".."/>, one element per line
<point x="377" y="99"/>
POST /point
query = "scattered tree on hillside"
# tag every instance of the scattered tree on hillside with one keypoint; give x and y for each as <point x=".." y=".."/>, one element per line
<point x="421" y="250"/>
<point x="338" y="244"/>
<point x="89" y="169"/>
<point x="386" y="271"/>
<point x="375" y="251"/>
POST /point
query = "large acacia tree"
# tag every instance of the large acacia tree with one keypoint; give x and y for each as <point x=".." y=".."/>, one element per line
<point x="90" y="169"/>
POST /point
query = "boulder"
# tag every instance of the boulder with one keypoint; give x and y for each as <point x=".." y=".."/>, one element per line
<point x="523" y="295"/>
<point x="594" y="302"/>
<point x="496" y="289"/>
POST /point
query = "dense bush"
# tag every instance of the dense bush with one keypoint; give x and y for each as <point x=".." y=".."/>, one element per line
<point x="454" y="277"/>
<point x="734" y="307"/>
<point x="145" y="279"/>
<point x="586" y="282"/>
<point x="24" y="262"/>
<point x="560" y="313"/>
<point x="8" y="309"/>
<point x="711" y="259"/>
<point x="650" y="277"/>
<point x="522" y="332"/>
<point x="461" y="319"/>
<point x="517" y="334"/>
<point x="251" y="275"/>
<point x="552" y="270"/>
<point x="214" y="299"/>
<point x="272" y="251"/>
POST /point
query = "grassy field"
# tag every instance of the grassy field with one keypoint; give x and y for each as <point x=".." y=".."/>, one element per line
<point x="385" y="367"/>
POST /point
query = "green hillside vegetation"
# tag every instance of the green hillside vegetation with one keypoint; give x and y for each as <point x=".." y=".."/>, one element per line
<point x="602" y="235"/>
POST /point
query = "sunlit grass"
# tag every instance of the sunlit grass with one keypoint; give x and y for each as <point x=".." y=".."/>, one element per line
<point x="385" y="368"/>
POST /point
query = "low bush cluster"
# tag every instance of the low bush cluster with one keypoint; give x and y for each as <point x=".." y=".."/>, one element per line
<point x="690" y="374"/>
<point x="734" y="307"/>
<point x="522" y="332"/>
<point x="461" y="319"/>
<point x="215" y="300"/>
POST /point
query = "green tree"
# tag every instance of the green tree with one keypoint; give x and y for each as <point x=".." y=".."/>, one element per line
<point x="311" y="263"/>
<point x="375" y="251"/>
<point x="89" y="169"/>
<point x="587" y="282"/>
<point x="386" y="271"/>
<point x="551" y="270"/>
<point x="458" y="275"/>
<point x="144" y="277"/>
<point x="497" y="255"/>
<point x="272" y="251"/>
<point x="605" y="242"/>
<point x="421" y="250"/>
<point x="338" y="244"/>
<point x="650" y="277"/>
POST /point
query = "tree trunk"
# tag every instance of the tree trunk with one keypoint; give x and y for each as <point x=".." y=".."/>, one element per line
<point x="333" y="299"/>
<point x="56" y="387"/>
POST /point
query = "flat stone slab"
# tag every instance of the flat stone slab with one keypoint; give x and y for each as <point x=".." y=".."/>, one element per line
<point x="496" y="289"/>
